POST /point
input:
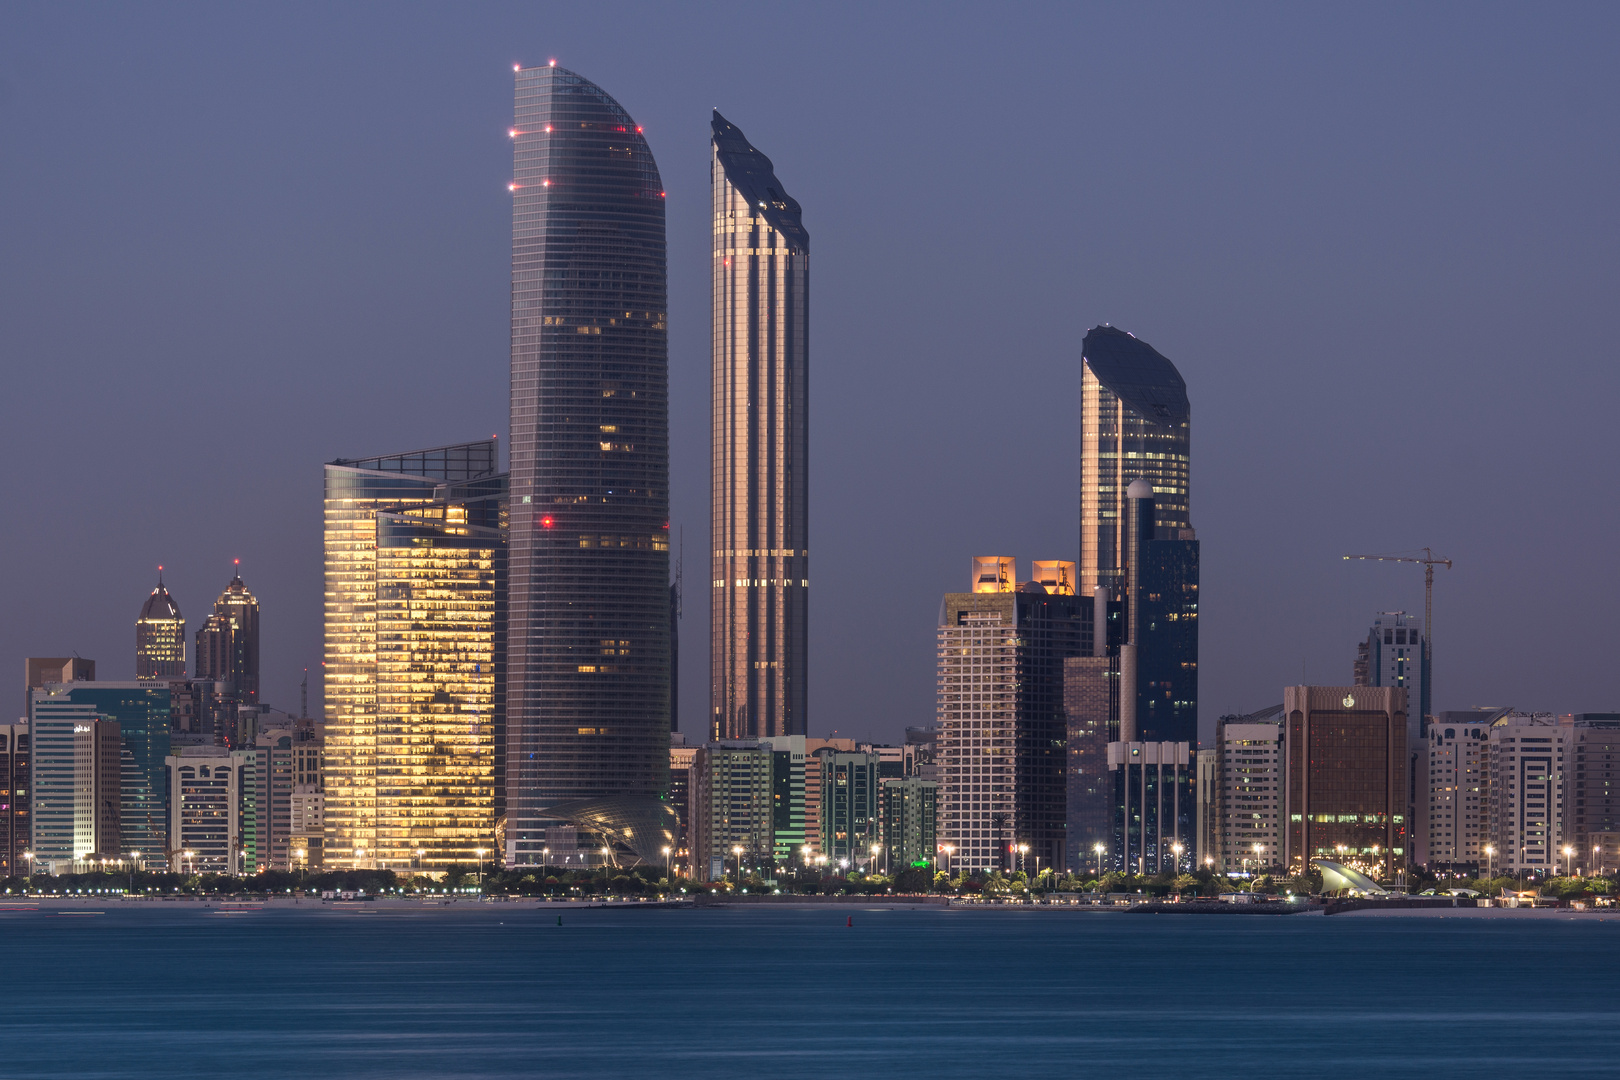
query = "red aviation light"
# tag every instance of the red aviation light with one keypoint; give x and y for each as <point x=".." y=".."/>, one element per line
<point x="546" y="522"/>
<point x="638" y="129"/>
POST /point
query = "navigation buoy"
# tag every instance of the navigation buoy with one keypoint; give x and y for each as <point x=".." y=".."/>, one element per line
<point x="559" y="920"/>
<point x="850" y="921"/>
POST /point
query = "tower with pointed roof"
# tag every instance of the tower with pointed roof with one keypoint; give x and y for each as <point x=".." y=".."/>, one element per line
<point x="160" y="637"/>
<point x="228" y="642"/>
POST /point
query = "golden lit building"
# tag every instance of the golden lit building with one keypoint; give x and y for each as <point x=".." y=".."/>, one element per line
<point x="759" y="607"/>
<point x="160" y="637"/>
<point x="415" y="637"/>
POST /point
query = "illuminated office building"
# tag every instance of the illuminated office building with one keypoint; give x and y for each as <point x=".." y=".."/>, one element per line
<point x="588" y="670"/>
<point x="76" y="758"/>
<point x="415" y="569"/>
<point x="228" y="643"/>
<point x="1247" y="792"/>
<point x="1002" y="722"/>
<point x="759" y="439"/>
<point x="160" y="637"/>
<point x="140" y="712"/>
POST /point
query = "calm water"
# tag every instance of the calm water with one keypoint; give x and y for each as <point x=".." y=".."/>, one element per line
<point x="177" y="990"/>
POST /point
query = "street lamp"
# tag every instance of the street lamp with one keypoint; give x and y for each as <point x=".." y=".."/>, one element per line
<point x="1569" y="854"/>
<point x="1490" y="850"/>
<point x="28" y="859"/>
<point x="736" y="849"/>
<point x="481" y="869"/>
<point x="1176" y="849"/>
<point x="1597" y="853"/>
<point x="1098" y="850"/>
<point x="875" y="849"/>
<point x="667" y="875"/>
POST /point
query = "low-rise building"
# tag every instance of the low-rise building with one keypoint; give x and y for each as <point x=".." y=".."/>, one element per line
<point x="213" y="818"/>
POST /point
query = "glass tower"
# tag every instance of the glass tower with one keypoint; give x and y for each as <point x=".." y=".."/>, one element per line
<point x="588" y="674"/>
<point x="160" y="637"/>
<point x="759" y="608"/>
<point x="415" y="624"/>
<point x="1135" y="424"/>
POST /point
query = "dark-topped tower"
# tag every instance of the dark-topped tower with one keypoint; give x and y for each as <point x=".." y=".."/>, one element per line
<point x="228" y="642"/>
<point x="160" y="637"/>
<point x="588" y="708"/>
<point x="759" y="440"/>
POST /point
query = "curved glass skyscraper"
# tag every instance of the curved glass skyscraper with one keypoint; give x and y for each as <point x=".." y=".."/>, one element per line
<point x="589" y="634"/>
<point x="1135" y="424"/>
<point x="759" y="609"/>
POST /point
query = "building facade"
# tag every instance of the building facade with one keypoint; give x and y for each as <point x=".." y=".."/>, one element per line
<point x="160" y="637"/>
<point x="76" y="760"/>
<point x="1394" y="653"/>
<point x="15" y="799"/>
<point x="910" y="834"/>
<point x="1527" y="785"/>
<point x="850" y="807"/>
<point x="1248" y="795"/>
<point x="415" y="633"/>
<point x="1451" y="823"/>
<point x="1345" y="795"/>
<point x="731" y="815"/>
<point x="760" y="444"/>
<point x="1001" y="714"/>
<point x="588" y="672"/>
<point x="1153" y="794"/>
<point x="140" y="711"/>
<point x="1090" y="706"/>
<point x="213" y="812"/>
<point x="1595" y="806"/>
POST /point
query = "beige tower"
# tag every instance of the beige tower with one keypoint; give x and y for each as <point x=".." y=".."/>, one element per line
<point x="760" y="443"/>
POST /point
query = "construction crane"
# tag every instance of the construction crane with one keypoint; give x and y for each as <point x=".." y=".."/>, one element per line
<point x="1429" y="560"/>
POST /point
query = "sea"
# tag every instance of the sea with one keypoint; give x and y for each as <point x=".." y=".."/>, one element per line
<point x="126" y="989"/>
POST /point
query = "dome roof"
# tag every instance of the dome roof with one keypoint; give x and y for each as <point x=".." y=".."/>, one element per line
<point x="160" y="605"/>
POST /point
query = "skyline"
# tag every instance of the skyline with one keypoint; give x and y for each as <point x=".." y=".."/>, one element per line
<point x="1332" y="440"/>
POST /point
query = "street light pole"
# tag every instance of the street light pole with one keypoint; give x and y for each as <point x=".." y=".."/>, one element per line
<point x="481" y="871"/>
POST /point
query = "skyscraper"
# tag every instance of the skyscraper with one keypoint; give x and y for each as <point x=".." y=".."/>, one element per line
<point x="228" y="642"/>
<point x="1135" y="424"/>
<point x="1393" y="654"/>
<point x="759" y="502"/>
<point x="415" y="625"/>
<point x="160" y="637"/>
<point x="1002" y="720"/>
<point x="588" y="711"/>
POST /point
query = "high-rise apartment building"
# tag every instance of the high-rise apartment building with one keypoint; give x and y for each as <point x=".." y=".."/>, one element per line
<point x="1394" y="654"/>
<point x="1346" y="768"/>
<point x="15" y="799"/>
<point x="213" y="810"/>
<point x="228" y="642"/>
<point x="1248" y="803"/>
<point x="415" y="625"/>
<point x="140" y="712"/>
<point x="731" y="808"/>
<point x="1451" y="823"/>
<point x="160" y="636"/>
<point x="588" y="675"/>
<point x="1528" y="786"/>
<point x="910" y="835"/>
<point x="1595" y="807"/>
<point x="1090" y="707"/>
<point x="1002" y="721"/>
<point x="760" y="446"/>
<point x="850" y="806"/>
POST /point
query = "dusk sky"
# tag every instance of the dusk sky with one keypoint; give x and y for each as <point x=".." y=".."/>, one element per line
<point x="1382" y="245"/>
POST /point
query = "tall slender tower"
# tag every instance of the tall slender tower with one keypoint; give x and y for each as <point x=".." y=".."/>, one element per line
<point x="228" y="642"/>
<point x="588" y="646"/>
<point x="759" y="610"/>
<point x="160" y="637"/>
